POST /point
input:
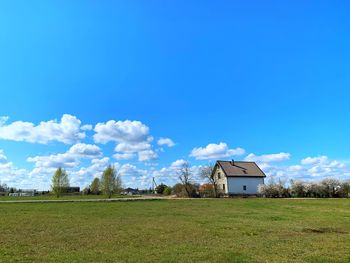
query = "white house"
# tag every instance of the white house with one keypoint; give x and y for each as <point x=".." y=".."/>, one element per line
<point x="237" y="177"/>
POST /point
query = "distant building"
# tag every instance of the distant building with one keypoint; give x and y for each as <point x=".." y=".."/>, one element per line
<point x="24" y="192"/>
<point x="237" y="177"/>
<point x="130" y="191"/>
<point x="72" y="189"/>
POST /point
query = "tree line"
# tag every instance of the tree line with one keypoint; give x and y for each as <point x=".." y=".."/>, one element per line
<point x="327" y="188"/>
<point x="110" y="182"/>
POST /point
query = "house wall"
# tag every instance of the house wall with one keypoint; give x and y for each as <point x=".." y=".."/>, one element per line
<point x="221" y="181"/>
<point x="235" y="185"/>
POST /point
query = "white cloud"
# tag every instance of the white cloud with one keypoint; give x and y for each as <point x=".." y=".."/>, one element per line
<point x="166" y="141"/>
<point x="131" y="137"/>
<point x="124" y="156"/>
<point x="295" y="168"/>
<point x="3" y="158"/>
<point x="336" y="164"/>
<point x="267" y="158"/>
<point x="104" y="161"/>
<point x="87" y="127"/>
<point x="147" y="155"/>
<point x="215" y="151"/>
<point x="309" y="169"/>
<point x="67" y="131"/>
<point x="132" y="147"/>
<point x="85" y="150"/>
<point x="129" y="170"/>
<point x="178" y="163"/>
<point x="3" y="120"/>
<point x="55" y="160"/>
<point x="68" y="159"/>
<point x="314" y="160"/>
<point x="127" y="151"/>
<point x="151" y="164"/>
<point x="10" y="174"/>
<point x="121" y="131"/>
<point x="85" y="175"/>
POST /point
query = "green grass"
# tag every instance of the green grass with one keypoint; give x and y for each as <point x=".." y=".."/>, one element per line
<point x="216" y="230"/>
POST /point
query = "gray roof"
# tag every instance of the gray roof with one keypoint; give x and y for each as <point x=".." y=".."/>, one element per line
<point x="241" y="169"/>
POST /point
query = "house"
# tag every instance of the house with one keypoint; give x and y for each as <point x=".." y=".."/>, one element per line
<point x="130" y="191"/>
<point x="237" y="177"/>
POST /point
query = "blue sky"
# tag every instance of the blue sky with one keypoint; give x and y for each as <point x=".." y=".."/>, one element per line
<point x="255" y="81"/>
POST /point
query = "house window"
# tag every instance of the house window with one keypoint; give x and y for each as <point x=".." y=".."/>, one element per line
<point x="223" y="187"/>
<point x="219" y="175"/>
<point x="244" y="188"/>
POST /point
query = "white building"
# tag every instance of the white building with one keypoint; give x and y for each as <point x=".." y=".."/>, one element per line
<point x="238" y="178"/>
<point x="24" y="192"/>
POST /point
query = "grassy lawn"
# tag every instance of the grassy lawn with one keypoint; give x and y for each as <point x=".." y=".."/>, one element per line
<point x="222" y="230"/>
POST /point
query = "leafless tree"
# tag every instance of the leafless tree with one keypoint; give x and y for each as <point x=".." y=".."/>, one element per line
<point x="185" y="176"/>
<point x="330" y="187"/>
<point x="207" y="173"/>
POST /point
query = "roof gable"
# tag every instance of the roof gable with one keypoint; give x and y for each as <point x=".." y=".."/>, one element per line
<point x="240" y="169"/>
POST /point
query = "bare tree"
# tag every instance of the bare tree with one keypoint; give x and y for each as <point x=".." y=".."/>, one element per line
<point x="330" y="187"/>
<point x="207" y="173"/>
<point x="185" y="176"/>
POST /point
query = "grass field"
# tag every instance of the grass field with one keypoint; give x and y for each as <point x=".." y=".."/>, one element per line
<point x="204" y="230"/>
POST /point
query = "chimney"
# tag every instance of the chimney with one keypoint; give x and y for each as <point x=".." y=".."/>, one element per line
<point x="233" y="162"/>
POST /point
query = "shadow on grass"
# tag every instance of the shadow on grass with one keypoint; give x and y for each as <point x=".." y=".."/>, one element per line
<point x="323" y="230"/>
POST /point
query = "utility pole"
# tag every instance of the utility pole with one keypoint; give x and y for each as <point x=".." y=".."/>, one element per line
<point x="154" y="185"/>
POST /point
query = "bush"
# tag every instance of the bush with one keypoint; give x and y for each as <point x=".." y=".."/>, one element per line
<point x="313" y="190"/>
<point x="86" y="191"/>
<point x="344" y="190"/>
<point x="180" y="191"/>
<point x="207" y="190"/>
<point x="160" y="189"/>
<point x="167" y="190"/>
<point x="327" y="188"/>
<point x="298" y="189"/>
<point x="274" y="190"/>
